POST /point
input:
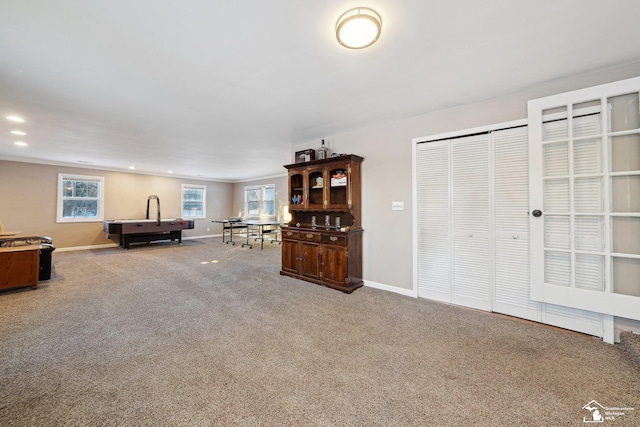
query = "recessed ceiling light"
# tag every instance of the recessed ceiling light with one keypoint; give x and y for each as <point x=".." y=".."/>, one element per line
<point x="170" y="171"/>
<point x="18" y="132"/>
<point x="132" y="167"/>
<point x="20" y="143"/>
<point x="15" y="119"/>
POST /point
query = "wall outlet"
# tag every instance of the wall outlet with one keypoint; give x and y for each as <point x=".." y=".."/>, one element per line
<point x="397" y="206"/>
<point x="208" y="229"/>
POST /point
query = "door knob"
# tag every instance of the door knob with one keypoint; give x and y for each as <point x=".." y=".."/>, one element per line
<point x="537" y="213"/>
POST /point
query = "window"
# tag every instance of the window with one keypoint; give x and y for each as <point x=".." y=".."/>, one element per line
<point x="260" y="201"/>
<point x="80" y="198"/>
<point x="194" y="201"/>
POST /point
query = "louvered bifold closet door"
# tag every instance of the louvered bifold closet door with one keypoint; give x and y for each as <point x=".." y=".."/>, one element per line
<point x="511" y="222"/>
<point x="432" y="185"/>
<point x="471" y="272"/>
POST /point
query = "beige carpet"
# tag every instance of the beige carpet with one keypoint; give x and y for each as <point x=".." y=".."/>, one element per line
<point x="160" y="335"/>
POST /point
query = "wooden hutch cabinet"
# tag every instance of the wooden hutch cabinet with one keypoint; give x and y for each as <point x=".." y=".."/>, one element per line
<point x="323" y="242"/>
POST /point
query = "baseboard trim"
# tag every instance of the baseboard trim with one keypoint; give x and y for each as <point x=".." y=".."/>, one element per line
<point x="395" y="289"/>
<point x="206" y="236"/>
<point x="111" y="245"/>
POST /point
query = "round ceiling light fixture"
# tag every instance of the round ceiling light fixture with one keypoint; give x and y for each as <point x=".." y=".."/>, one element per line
<point x="358" y="28"/>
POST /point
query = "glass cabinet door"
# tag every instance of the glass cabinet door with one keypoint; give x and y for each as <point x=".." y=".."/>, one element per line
<point x="316" y="186"/>
<point x="296" y="191"/>
<point x="339" y="182"/>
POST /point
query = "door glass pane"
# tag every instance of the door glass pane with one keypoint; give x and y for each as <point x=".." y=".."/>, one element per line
<point x="556" y="195"/>
<point x="586" y="119"/>
<point x="556" y="159"/>
<point x="625" y="193"/>
<point x="587" y="157"/>
<point x="625" y="153"/>
<point x="588" y="195"/>
<point x="557" y="268"/>
<point x="556" y="232"/>
<point x="589" y="232"/>
<point x="625" y="113"/>
<point x="590" y="272"/>
<point x="626" y="235"/>
<point x="555" y="124"/>
<point x="625" y="276"/>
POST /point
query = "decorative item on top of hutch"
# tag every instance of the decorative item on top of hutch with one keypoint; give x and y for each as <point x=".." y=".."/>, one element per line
<point x="322" y="152"/>
<point x="329" y="254"/>
<point x="305" y="155"/>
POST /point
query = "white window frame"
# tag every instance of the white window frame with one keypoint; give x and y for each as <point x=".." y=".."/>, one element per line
<point x="60" y="218"/>
<point x="263" y="188"/>
<point x="203" y="188"/>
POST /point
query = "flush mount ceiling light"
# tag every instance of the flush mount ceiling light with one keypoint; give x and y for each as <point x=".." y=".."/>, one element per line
<point x="358" y="28"/>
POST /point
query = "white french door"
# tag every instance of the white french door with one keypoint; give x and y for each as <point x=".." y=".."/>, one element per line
<point x="584" y="150"/>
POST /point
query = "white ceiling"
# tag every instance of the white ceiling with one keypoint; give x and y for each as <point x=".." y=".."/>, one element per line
<point x="222" y="89"/>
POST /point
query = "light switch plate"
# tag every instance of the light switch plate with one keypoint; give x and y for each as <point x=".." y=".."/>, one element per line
<point x="397" y="206"/>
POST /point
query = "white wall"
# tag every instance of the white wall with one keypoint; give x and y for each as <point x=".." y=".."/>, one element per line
<point x="387" y="174"/>
<point x="28" y="202"/>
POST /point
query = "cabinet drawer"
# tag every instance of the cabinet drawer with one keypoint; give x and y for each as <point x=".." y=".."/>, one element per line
<point x="289" y="234"/>
<point x="310" y="236"/>
<point x="332" y="239"/>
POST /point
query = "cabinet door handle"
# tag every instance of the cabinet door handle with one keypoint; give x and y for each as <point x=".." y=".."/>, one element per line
<point x="289" y="233"/>
<point x="309" y="235"/>
<point x="333" y="238"/>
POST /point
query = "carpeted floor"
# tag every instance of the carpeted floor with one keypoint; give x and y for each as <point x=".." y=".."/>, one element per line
<point x="211" y="334"/>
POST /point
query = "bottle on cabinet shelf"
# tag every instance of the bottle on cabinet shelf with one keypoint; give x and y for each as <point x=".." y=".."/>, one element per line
<point x="322" y="152"/>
